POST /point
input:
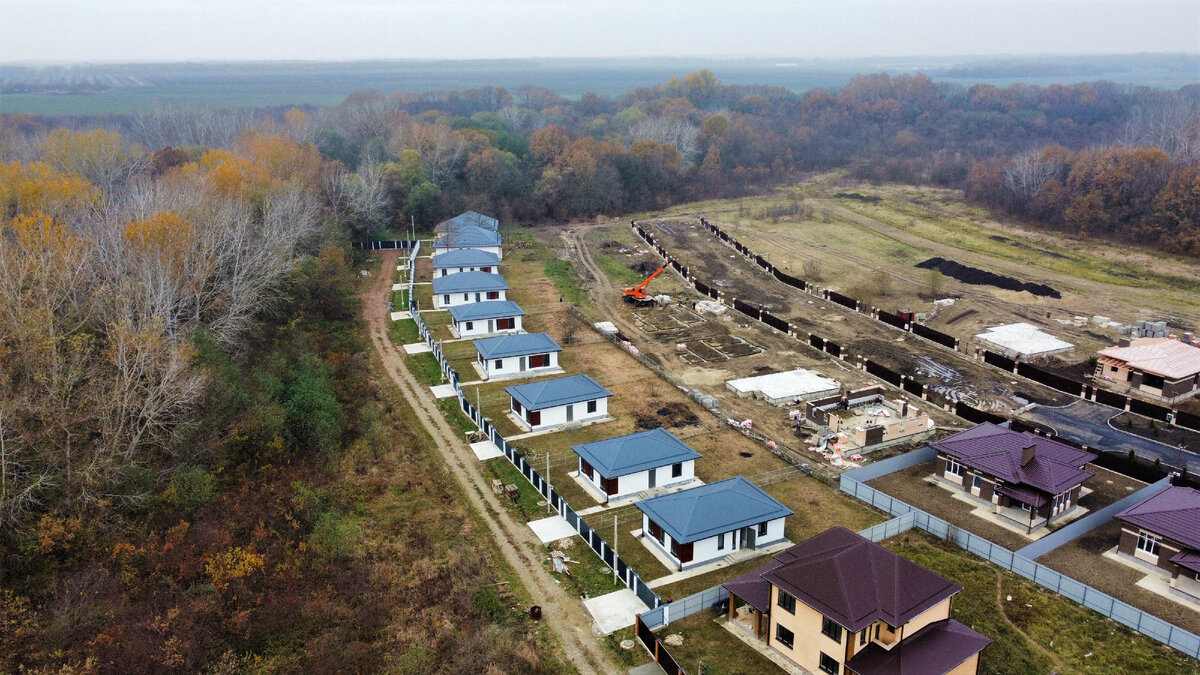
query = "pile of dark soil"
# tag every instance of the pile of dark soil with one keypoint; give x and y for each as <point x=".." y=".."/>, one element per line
<point x="978" y="277"/>
<point x="857" y="197"/>
<point x="670" y="415"/>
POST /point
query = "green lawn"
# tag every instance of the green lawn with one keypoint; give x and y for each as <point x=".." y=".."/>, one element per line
<point x="425" y="368"/>
<point x="404" y="332"/>
<point x="562" y="273"/>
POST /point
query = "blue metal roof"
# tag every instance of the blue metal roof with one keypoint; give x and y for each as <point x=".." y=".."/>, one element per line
<point x="559" y="391"/>
<point x="466" y="282"/>
<point x="467" y="236"/>
<point x="465" y="257"/>
<point x="473" y="218"/>
<point x="516" y="345"/>
<point x="481" y="311"/>
<point x="699" y="513"/>
<point x="632" y="453"/>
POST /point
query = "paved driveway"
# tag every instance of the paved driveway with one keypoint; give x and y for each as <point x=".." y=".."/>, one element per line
<point x="1087" y="422"/>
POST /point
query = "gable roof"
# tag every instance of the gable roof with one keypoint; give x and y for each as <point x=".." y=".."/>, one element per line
<point x="467" y="236"/>
<point x="997" y="451"/>
<point x="516" y="345"/>
<point x="1169" y="358"/>
<point x="857" y="582"/>
<point x="701" y="512"/>
<point x="473" y="218"/>
<point x="465" y="282"/>
<point x="631" y="453"/>
<point x="558" y="391"/>
<point x="935" y="649"/>
<point x="465" y="257"/>
<point x="1174" y="513"/>
<point x="489" y="309"/>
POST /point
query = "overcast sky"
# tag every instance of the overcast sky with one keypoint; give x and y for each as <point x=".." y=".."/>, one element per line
<point x="173" y="30"/>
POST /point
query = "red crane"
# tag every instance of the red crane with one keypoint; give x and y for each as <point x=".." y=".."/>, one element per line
<point x="637" y="294"/>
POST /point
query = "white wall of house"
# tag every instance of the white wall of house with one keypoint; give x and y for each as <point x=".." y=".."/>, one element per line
<point x="481" y="327"/>
<point x="438" y="250"/>
<point x="447" y="271"/>
<point x="516" y="365"/>
<point x="633" y="483"/>
<point x="717" y="546"/>
<point x="444" y="300"/>
<point x="559" y="414"/>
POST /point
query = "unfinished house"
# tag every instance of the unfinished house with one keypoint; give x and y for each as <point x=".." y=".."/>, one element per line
<point x="1029" y="479"/>
<point x="866" y="417"/>
<point x="1163" y="530"/>
<point x="1161" y="368"/>
<point x="839" y="603"/>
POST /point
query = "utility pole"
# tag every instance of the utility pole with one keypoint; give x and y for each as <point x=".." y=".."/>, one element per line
<point x="614" y="547"/>
<point x="549" y="488"/>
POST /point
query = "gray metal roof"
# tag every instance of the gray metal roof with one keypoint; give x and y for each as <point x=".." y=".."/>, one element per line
<point x="467" y="236"/>
<point x="473" y="218"/>
<point x="481" y="311"/>
<point x="559" y="391"/>
<point x="628" y="454"/>
<point x="465" y="257"/>
<point x="467" y="282"/>
<point x="701" y="512"/>
<point x="507" y="346"/>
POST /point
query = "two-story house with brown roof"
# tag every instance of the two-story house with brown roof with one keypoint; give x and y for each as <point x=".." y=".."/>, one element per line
<point x="839" y="603"/>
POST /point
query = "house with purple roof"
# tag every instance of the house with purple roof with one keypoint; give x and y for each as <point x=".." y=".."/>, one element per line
<point x="1030" y="479"/>
<point x="1164" y="530"/>
<point x="839" y="603"/>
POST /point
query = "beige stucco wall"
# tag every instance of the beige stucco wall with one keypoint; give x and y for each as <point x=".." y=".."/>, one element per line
<point x="968" y="667"/>
<point x="936" y="613"/>
<point x="809" y="642"/>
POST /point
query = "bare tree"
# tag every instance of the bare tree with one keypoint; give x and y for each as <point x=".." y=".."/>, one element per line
<point x="1027" y="173"/>
<point x="681" y="135"/>
<point x="1172" y="126"/>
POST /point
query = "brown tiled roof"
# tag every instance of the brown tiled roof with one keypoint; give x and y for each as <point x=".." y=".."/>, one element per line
<point x="857" y="582"/>
<point x="752" y="588"/>
<point x="997" y="451"/>
<point x="936" y="649"/>
<point x="1172" y="359"/>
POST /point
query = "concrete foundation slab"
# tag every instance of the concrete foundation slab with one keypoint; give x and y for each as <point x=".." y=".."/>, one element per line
<point x="486" y="450"/>
<point x="552" y="529"/>
<point x="417" y="348"/>
<point x="615" y="610"/>
<point x="442" y="390"/>
<point x="399" y="316"/>
<point x="781" y="388"/>
<point x="1023" y="340"/>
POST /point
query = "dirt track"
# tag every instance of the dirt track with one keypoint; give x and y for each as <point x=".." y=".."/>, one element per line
<point x="516" y="542"/>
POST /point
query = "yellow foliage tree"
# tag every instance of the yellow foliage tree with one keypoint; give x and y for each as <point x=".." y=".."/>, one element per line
<point x="39" y="187"/>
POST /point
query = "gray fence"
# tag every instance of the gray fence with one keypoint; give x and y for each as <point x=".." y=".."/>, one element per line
<point x="593" y="539"/>
<point x="1121" y="612"/>
<point x="1089" y="522"/>
<point x="709" y="598"/>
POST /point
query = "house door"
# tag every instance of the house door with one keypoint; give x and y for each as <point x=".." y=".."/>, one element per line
<point x="748" y="535"/>
<point x="476" y="297"/>
<point x="653" y="477"/>
<point x="570" y="413"/>
<point x="491" y="325"/>
<point x="521" y="364"/>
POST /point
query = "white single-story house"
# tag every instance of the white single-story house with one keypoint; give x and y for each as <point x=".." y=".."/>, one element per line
<point x="472" y="218"/>
<point x="468" y="237"/>
<point x="467" y="287"/>
<point x="626" y="465"/>
<point x="486" y="318"/>
<point x="551" y="403"/>
<point x="707" y="523"/>
<point x="521" y="355"/>
<point x="465" y="260"/>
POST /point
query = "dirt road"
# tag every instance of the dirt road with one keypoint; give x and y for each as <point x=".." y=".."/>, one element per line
<point x="563" y="612"/>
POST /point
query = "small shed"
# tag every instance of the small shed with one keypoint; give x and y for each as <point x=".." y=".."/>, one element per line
<point x="557" y="402"/>
<point x="707" y="523"/>
<point x="624" y="466"/>
<point x="522" y="355"/>
<point x="467" y="287"/>
<point x="486" y="318"/>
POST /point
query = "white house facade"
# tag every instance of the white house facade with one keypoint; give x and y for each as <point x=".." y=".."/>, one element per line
<point x="552" y="403"/>
<point x="468" y="287"/>
<point x="465" y="260"/>
<point x="479" y="319"/>
<point x="621" y="467"/>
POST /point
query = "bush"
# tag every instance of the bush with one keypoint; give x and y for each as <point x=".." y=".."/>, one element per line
<point x="334" y="537"/>
<point x="191" y="487"/>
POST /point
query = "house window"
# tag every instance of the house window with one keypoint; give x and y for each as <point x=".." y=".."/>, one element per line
<point x="470" y="325"/>
<point x="784" y="636"/>
<point x="466" y="297"/>
<point x="862" y="636"/>
<point x="504" y="324"/>
<point x="516" y="406"/>
<point x="539" y="360"/>
<point x="953" y="468"/>
<point x="786" y="601"/>
<point x="831" y="629"/>
<point x="721" y="542"/>
<point x="1113" y="368"/>
<point x="676" y="469"/>
<point x="493" y="295"/>
<point x="1148" y="544"/>
<point x="499" y="364"/>
<point x="445" y="299"/>
<point x="1025" y="507"/>
<point x="977" y="482"/>
<point x="591" y="406"/>
<point x="762" y="529"/>
<point x="485" y="269"/>
<point x="829" y="664"/>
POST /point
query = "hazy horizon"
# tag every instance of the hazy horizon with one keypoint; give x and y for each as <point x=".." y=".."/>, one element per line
<point x="67" y="32"/>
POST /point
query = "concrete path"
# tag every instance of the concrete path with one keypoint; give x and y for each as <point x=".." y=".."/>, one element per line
<point x="1089" y="522"/>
